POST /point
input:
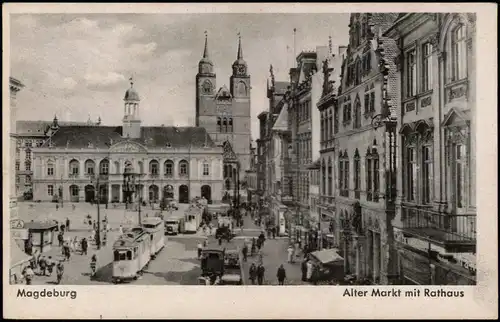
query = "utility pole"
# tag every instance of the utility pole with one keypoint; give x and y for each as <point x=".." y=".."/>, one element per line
<point x="139" y="197"/>
<point x="98" y="235"/>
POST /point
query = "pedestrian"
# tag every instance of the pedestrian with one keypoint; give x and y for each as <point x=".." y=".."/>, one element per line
<point x="281" y="274"/>
<point x="67" y="224"/>
<point x="50" y="265"/>
<point x="309" y="270"/>
<point x="28" y="274"/>
<point x="57" y="206"/>
<point x="260" y="256"/>
<point x="93" y="265"/>
<point x="120" y="230"/>
<point x="205" y="243"/>
<point x="245" y="252"/>
<point x="73" y="206"/>
<point x="260" y="274"/>
<point x="274" y="232"/>
<point x="85" y="246"/>
<point x="303" y="268"/>
<point x="220" y="241"/>
<point x="94" y="225"/>
<point x="36" y="259"/>
<point x="200" y="248"/>
<point x="66" y="251"/>
<point x="42" y="264"/>
<point x="60" y="238"/>
<point x="290" y="253"/>
<point x="59" y="271"/>
<point x="253" y="273"/>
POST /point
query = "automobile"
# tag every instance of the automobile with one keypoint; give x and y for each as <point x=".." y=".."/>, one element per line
<point x="232" y="258"/>
<point x="231" y="279"/>
<point x="212" y="261"/>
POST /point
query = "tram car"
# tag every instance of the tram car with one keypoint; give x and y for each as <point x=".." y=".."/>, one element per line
<point x="131" y="254"/>
<point x="155" y="227"/>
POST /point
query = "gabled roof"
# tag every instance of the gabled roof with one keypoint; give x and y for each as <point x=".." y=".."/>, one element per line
<point x="281" y="123"/>
<point x="39" y="128"/>
<point x="223" y="93"/>
<point x="78" y="137"/>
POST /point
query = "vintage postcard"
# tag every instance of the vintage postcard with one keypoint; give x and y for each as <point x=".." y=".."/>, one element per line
<point x="250" y="160"/>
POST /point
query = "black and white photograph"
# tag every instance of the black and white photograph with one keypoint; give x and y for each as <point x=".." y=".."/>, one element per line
<point x="242" y="149"/>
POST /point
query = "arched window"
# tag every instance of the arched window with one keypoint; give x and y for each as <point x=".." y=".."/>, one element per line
<point x="104" y="167"/>
<point x="372" y="173"/>
<point x="344" y="174"/>
<point x="207" y="87"/>
<point x="458" y="52"/>
<point x="323" y="177"/>
<point x="242" y="89"/>
<point x="154" y="167"/>
<point x="141" y="167"/>
<point x="330" y="177"/>
<point x="183" y="168"/>
<point x="330" y="124"/>
<point x="357" y="114"/>
<point x="230" y="125"/>
<point x="357" y="175"/>
<point x="219" y="124"/>
<point x="169" y="168"/>
<point x="89" y="167"/>
<point x="117" y="167"/>
<point x="74" y="167"/>
<point x="224" y="125"/>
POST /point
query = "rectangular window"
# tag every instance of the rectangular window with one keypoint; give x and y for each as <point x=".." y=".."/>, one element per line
<point x="28" y="143"/>
<point x="411" y="73"/>
<point x="18" y="166"/>
<point x="27" y="166"/>
<point x="426" y="174"/>
<point x="90" y="169"/>
<point x="426" y="67"/>
<point x="357" y="178"/>
<point x="206" y="169"/>
<point x="376" y="179"/>
<point x="411" y="175"/>
<point x="28" y="155"/>
<point x="459" y="176"/>
<point x="18" y="153"/>
<point x="50" y="190"/>
<point x="50" y="170"/>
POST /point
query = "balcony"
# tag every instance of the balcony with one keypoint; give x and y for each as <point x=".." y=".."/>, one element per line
<point x="456" y="233"/>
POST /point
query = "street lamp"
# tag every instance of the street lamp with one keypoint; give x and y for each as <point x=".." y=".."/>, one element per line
<point x="95" y="180"/>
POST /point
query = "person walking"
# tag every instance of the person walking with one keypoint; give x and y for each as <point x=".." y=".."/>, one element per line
<point x="253" y="273"/>
<point x="67" y="251"/>
<point x="260" y="274"/>
<point x="303" y="268"/>
<point x="60" y="271"/>
<point x="281" y="275"/>
<point x="85" y="246"/>
<point x="67" y="224"/>
<point x="200" y="248"/>
<point x="252" y="249"/>
<point x="60" y="238"/>
<point x="245" y="252"/>
<point x="290" y="253"/>
<point x="50" y="265"/>
<point x="42" y="263"/>
<point x="120" y="230"/>
<point x="28" y="274"/>
<point x="309" y="270"/>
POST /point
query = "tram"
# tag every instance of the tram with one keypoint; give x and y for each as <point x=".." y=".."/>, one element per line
<point x="192" y="219"/>
<point x="156" y="229"/>
<point x="131" y="254"/>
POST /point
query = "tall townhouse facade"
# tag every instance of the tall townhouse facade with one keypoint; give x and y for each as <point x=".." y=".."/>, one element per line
<point x="262" y="156"/>
<point x="435" y="226"/>
<point x="364" y="157"/>
<point x="327" y="106"/>
<point x="304" y="125"/>
<point x="14" y="87"/>
<point x="251" y="177"/>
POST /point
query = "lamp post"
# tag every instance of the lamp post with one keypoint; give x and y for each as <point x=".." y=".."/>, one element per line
<point x="95" y="180"/>
<point x="129" y="186"/>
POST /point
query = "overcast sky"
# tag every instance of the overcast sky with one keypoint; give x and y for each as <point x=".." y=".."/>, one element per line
<point x="79" y="65"/>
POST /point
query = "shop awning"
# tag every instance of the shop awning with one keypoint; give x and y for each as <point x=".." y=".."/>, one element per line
<point x="327" y="256"/>
<point x="17" y="256"/>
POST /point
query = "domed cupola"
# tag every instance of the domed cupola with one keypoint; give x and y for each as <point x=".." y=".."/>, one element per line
<point x="239" y="65"/>
<point x="131" y="94"/>
<point x="205" y="66"/>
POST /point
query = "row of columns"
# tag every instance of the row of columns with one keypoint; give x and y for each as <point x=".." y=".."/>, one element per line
<point x="372" y="254"/>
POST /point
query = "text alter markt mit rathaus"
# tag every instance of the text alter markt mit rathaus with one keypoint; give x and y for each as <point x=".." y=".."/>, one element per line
<point x="394" y="292"/>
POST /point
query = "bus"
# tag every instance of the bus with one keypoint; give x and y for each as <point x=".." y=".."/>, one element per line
<point x="174" y="224"/>
<point x="156" y="228"/>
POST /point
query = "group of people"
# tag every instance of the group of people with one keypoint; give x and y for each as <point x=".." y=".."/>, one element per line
<point x="43" y="266"/>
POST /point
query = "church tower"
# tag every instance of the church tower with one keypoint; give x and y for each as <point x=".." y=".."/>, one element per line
<point x="131" y="117"/>
<point x="241" y="114"/>
<point x="205" y="88"/>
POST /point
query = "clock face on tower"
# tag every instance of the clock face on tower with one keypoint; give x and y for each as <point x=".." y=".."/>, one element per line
<point x="242" y="70"/>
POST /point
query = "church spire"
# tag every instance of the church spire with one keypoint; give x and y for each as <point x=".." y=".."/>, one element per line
<point x="240" y="51"/>
<point x="205" y="51"/>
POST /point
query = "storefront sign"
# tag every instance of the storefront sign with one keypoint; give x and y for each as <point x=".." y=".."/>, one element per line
<point x="19" y="233"/>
